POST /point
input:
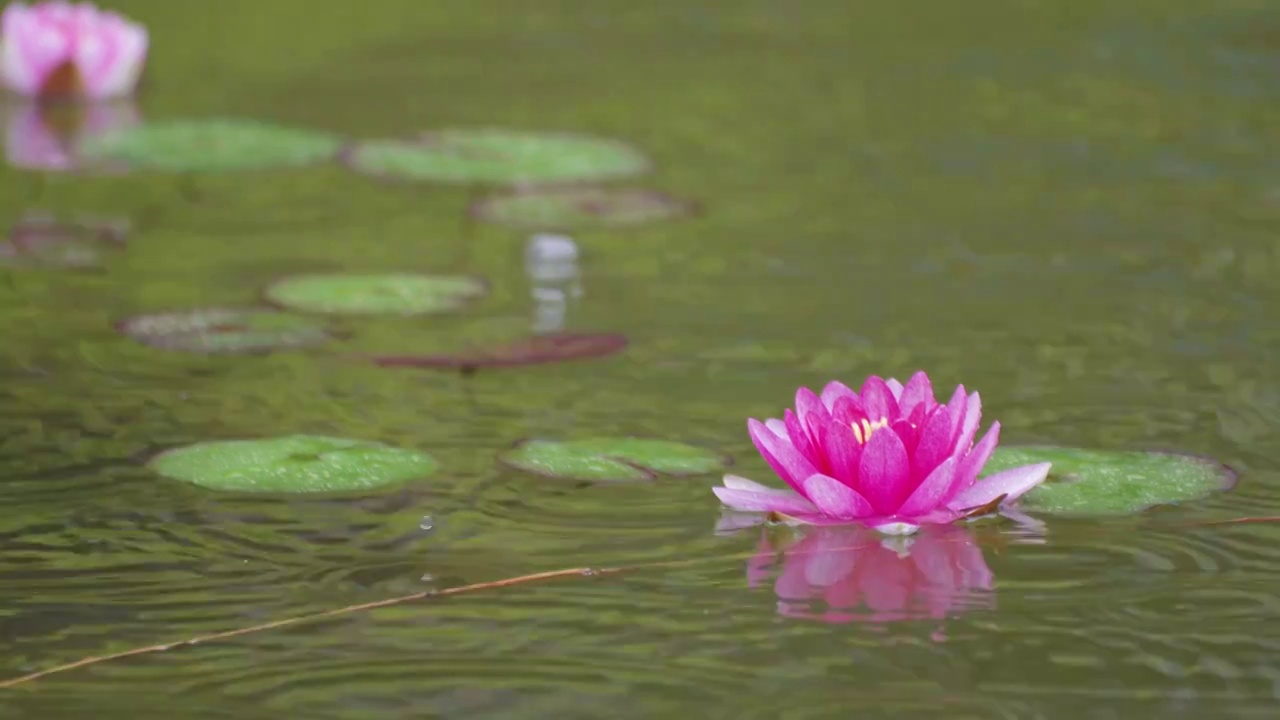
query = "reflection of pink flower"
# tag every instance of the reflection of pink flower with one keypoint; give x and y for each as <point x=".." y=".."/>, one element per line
<point x="43" y="138"/>
<point x="889" y="457"/>
<point x="861" y="576"/>
<point x="59" y="48"/>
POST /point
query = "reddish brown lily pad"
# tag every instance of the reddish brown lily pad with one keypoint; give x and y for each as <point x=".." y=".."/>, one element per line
<point x="535" y="350"/>
<point x="43" y="241"/>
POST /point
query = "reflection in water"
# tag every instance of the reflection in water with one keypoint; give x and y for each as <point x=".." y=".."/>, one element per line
<point x="48" y="137"/>
<point x="551" y="262"/>
<point x="852" y="574"/>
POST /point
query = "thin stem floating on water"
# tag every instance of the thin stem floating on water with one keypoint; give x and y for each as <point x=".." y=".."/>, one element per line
<point x="298" y="619"/>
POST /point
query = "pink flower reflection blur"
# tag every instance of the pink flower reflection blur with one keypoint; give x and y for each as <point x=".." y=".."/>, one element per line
<point x="852" y="574"/>
<point x="45" y="137"/>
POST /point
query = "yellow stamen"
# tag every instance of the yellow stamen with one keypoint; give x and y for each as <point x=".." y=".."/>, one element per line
<point x="862" y="432"/>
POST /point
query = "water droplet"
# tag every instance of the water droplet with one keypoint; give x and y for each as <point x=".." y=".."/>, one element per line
<point x="427" y="523"/>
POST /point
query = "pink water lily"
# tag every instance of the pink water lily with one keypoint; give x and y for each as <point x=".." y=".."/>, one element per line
<point x="889" y="457"/>
<point x="62" y="48"/>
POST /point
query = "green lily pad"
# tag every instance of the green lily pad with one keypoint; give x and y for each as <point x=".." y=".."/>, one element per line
<point x="1106" y="482"/>
<point x="615" y="459"/>
<point x="212" y="145"/>
<point x="579" y="207"/>
<point x="224" y="330"/>
<point x="293" y="464"/>
<point x="496" y="157"/>
<point x="390" y="293"/>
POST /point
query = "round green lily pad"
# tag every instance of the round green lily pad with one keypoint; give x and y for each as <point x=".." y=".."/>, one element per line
<point x="616" y="459"/>
<point x="370" y="294"/>
<point x="293" y="464"/>
<point x="579" y="207"/>
<point x="496" y="157"/>
<point x="1106" y="482"/>
<point x="224" y="330"/>
<point x="212" y="145"/>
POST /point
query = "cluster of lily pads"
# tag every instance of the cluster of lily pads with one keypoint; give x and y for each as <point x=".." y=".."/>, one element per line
<point x="538" y="181"/>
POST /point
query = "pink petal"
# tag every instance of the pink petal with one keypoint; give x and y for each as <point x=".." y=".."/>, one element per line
<point x="918" y="391"/>
<point x="789" y="464"/>
<point x="842" y="452"/>
<point x="834" y="391"/>
<point x="778" y="428"/>
<point x="972" y="464"/>
<point x="929" y="494"/>
<point x="1012" y="482"/>
<point x="883" y="472"/>
<point x="779" y="501"/>
<point x="968" y="428"/>
<point x="814" y="415"/>
<point x="110" y="57"/>
<point x="836" y="499"/>
<point x="878" y="400"/>
<point x="907" y="433"/>
<point x="31" y="48"/>
<point x="895" y="387"/>
<point x="935" y="443"/>
<point x="799" y="437"/>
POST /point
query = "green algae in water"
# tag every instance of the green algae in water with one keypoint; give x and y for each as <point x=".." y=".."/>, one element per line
<point x="212" y="145"/>
<point x="496" y="157"/>
<point x="612" y="459"/>
<point x="580" y="208"/>
<point x="536" y="350"/>
<point x="374" y="294"/>
<point x="224" y="330"/>
<point x="1103" y="482"/>
<point x="293" y="464"/>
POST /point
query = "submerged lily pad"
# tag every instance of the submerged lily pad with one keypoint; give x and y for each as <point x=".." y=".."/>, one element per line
<point x="536" y="350"/>
<point x="372" y="294"/>
<point x="1105" y="482"/>
<point x="212" y="145"/>
<point x="497" y="157"/>
<point x="39" y="241"/>
<point x="580" y="207"/>
<point x="293" y="464"/>
<point x="612" y="459"/>
<point x="224" y="330"/>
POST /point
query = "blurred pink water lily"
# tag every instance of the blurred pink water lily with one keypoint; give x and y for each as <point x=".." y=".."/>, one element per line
<point x="60" y="48"/>
<point x="889" y="457"/>
<point x="43" y="137"/>
<point x="849" y="574"/>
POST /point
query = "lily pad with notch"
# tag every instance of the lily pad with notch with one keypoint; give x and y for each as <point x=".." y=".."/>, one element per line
<point x="212" y="145"/>
<point x="575" y="208"/>
<point x="496" y="157"/>
<point x="224" y="330"/>
<point x="533" y="350"/>
<point x="375" y="294"/>
<point x="1113" y="482"/>
<point x="612" y="459"/>
<point x="293" y="464"/>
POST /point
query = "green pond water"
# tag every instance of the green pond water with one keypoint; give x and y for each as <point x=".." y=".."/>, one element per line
<point x="1071" y="207"/>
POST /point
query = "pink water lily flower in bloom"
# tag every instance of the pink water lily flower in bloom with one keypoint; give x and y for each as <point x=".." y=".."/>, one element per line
<point x="62" y="48"/>
<point x="889" y="457"/>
